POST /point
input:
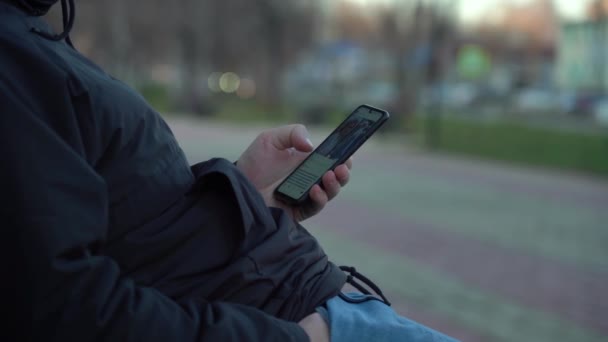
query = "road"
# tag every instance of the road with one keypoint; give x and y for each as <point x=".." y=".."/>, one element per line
<point x="482" y="250"/>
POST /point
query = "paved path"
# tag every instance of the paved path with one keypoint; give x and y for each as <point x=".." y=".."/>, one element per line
<point x="482" y="250"/>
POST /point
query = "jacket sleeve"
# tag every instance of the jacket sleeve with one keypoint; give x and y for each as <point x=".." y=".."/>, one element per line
<point x="56" y="283"/>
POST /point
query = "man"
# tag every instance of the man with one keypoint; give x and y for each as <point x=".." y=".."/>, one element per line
<point x="109" y="235"/>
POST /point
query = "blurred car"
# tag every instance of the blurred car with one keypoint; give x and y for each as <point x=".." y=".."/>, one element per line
<point x="537" y="100"/>
<point x="584" y="104"/>
<point x="451" y="95"/>
<point x="382" y="92"/>
<point x="600" y="112"/>
<point x="460" y="95"/>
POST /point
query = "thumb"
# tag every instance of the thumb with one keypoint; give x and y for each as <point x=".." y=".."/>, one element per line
<point x="289" y="136"/>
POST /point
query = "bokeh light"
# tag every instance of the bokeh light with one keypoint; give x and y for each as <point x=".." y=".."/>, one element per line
<point x="229" y="82"/>
<point x="213" y="81"/>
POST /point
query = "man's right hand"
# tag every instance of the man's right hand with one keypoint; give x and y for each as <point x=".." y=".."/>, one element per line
<point x="316" y="328"/>
<point x="274" y="154"/>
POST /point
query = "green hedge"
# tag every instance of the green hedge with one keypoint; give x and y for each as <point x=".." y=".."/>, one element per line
<point x="517" y="142"/>
<point x="249" y="111"/>
<point x="157" y="95"/>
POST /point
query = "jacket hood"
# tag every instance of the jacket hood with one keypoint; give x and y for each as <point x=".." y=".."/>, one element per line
<point x="33" y="7"/>
<point x="41" y="7"/>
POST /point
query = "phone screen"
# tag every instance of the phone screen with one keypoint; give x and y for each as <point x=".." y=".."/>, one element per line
<point x="338" y="146"/>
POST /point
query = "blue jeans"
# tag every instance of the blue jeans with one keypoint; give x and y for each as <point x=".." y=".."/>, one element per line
<point x="365" y="319"/>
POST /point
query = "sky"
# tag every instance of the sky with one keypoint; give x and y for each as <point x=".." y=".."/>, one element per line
<point x="473" y="10"/>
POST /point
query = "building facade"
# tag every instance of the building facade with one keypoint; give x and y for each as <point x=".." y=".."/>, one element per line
<point x="582" y="56"/>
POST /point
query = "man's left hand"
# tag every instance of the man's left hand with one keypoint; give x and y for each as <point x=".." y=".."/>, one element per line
<point x="274" y="154"/>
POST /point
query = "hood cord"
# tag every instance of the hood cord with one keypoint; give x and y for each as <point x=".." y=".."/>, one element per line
<point x="353" y="274"/>
<point x="68" y="14"/>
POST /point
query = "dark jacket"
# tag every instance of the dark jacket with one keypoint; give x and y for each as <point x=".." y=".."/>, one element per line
<point x="108" y="233"/>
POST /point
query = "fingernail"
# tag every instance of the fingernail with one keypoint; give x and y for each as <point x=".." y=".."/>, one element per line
<point x="309" y="142"/>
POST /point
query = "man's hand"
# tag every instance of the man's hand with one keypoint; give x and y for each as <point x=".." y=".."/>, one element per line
<point x="274" y="154"/>
<point x="316" y="328"/>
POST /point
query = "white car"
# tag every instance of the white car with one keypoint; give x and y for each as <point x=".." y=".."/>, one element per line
<point x="600" y="112"/>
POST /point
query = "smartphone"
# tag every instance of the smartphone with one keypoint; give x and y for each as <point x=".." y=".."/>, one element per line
<point x="333" y="151"/>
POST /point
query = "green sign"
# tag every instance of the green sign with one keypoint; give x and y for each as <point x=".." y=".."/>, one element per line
<point x="473" y="62"/>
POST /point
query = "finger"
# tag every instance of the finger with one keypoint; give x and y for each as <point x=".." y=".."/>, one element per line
<point x="349" y="163"/>
<point x="319" y="199"/>
<point x="331" y="185"/>
<point x="289" y="136"/>
<point x="342" y="174"/>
